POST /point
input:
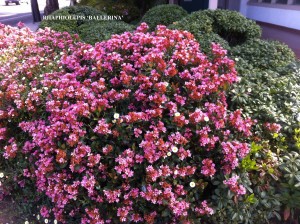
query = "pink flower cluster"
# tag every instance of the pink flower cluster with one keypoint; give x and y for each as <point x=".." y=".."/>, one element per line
<point x="233" y="185"/>
<point x="272" y="127"/>
<point x="123" y="130"/>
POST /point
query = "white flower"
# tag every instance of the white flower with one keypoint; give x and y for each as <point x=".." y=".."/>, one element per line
<point x="177" y="114"/>
<point x="192" y="184"/>
<point x="114" y="121"/>
<point x="176" y="172"/>
<point x="55" y="221"/>
<point x="249" y="90"/>
<point x="206" y="119"/>
<point x="46" y="220"/>
<point x="174" y="149"/>
<point x="116" y="116"/>
<point x="26" y="222"/>
<point x="38" y="217"/>
<point x="1" y="175"/>
<point x="236" y="59"/>
<point x="169" y="154"/>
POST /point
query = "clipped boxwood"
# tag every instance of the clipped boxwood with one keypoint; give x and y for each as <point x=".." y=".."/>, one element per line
<point x="163" y="15"/>
<point x="95" y="32"/>
<point x="230" y="25"/>
<point x="264" y="54"/>
<point x="70" y="25"/>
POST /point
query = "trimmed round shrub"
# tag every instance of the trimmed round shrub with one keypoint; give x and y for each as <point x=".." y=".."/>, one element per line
<point x="125" y="8"/>
<point x="230" y="25"/>
<point x="163" y="15"/>
<point x="134" y="129"/>
<point x="264" y="54"/>
<point x="70" y="25"/>
<point x="96" y="32"/>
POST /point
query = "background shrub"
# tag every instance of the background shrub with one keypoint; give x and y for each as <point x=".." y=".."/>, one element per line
<point x="96" y="32"/>
<point x="163" y="15"/>
<point x="125" y="8"/>
<point x="269" y="96"/>
<point x="90" y="31"/>
<point x="264" y="54"/>
<point x="230" y="25"/>
<point x="70" y="26"/>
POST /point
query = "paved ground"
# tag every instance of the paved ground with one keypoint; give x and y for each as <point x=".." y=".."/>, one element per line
<point x="12" y="14"/>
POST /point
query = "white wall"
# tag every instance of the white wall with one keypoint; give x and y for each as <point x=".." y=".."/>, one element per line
<point x="282" y="17"/>
<point x="213" y="4"/>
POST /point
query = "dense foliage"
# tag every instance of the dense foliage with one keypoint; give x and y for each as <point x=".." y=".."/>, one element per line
<point x="125" y="8"/>
<point x="95" y="32"/>
<point x="133" y="129"/>
<point x="89" y="30"/>
<point x="230" y="25"/>
<point x="163" y="15"/>
<point x="264" y="54"/>
<point x="70" y="25"/>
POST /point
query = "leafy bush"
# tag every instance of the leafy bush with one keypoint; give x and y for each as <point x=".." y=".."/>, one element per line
<point x="70" y="25"/>
<point x="269" y="96"/>
<point x="96" y="32"/>
<point x="134" y="129"/>
<point x="163" y="15"/>
<point x="230" y="25"/>
<point x="125" y="8"/>
<point x="89" y="31"/>
<point x="264" y="54"/>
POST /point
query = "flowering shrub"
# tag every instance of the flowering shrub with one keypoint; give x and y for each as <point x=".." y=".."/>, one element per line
<point x="133" y="129"/>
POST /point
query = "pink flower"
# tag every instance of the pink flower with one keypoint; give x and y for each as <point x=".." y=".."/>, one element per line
<point x="233" y="185"/>
<point x="208" y="168"/>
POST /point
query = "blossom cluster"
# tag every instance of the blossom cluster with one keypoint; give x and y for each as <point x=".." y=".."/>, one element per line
<point x="123" y="131"/>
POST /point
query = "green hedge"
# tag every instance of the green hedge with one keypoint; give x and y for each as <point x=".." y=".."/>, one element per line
<point x="264" y="54"/>
<point x="68" y="25"/>
<point x="95" y="32"/>
<point x="163" y="15"/>
<point x="230" y="25"/>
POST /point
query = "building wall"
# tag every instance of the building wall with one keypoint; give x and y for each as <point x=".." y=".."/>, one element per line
<point x="286" y="17"/>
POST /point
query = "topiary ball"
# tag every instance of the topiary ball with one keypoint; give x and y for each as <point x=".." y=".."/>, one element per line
<point x="96" y="32"/>
<point x="163" y="15"/>
<point x="230" y="25"/>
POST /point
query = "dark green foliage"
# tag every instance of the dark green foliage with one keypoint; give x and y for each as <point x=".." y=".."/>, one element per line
<point x="70" y="25"/>
<point x="197" y="22"/>
<point x="90" y="31"/>
<point x="230" y="25"/>
<point x="163" y="15"/>
<point x="125" y="8"/>
<point x="96" y="32"/>
<point x="264" y="54"/>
